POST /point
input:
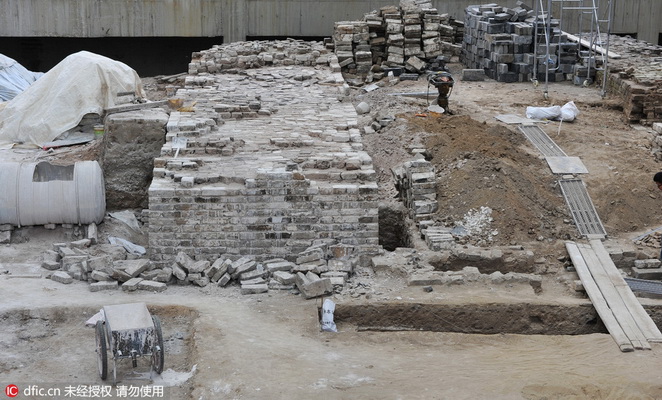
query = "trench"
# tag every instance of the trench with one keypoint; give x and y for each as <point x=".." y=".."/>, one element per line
<point x="393" y="229"/>
<point x="490" y="318"/>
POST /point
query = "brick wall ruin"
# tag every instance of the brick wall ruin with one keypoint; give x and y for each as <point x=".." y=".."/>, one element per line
<point x="238" y="176"/>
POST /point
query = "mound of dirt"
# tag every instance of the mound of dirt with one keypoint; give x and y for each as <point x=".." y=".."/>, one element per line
<point x="480" y="165"/>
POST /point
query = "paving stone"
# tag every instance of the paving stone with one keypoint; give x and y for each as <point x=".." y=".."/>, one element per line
<point x="184" y="261"/>
<point x="100" y="276"/>
<point x="131" y="285"/>
<point x="133" y="268"/>
<point x="284" y="277"/>
<point x="62" y="277"/>
<point x="254" y="289"/>
<point x="312" y="286"/>
<point x="103" y="285"/>
<point x="152" y="286"/>
<point x="224" y="280"/>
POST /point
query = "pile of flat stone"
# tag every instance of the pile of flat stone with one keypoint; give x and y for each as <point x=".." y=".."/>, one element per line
<point x="395" y="38"/>
<point x="320" y="270"/>
<point x="72" y="261"/>
<point x="236" y="56"/>
<point x="503" y="41"/>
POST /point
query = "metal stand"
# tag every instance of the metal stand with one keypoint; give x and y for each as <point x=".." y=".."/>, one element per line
<point x="583" y="12"/>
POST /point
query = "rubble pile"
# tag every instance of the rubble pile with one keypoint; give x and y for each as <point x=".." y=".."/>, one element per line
<point x="321" y="269"/>
<point x="74" y="261"/>
<point x="233" y="57"/>
<point x="510" y="44"/>
<point x="396" y="38"/>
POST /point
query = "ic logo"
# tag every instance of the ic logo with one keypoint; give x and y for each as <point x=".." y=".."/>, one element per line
<point x="11" y="390"/>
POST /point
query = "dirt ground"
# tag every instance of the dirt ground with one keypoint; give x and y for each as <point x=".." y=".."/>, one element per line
<point x="223" y="345"/>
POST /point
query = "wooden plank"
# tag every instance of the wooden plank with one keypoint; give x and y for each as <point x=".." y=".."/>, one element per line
<point x="598" y="301"/>
<point x="597" y="48"/>
<point x="612" y="298"/>
<point x="68" y="142"/>
<point x="639" y="314"/>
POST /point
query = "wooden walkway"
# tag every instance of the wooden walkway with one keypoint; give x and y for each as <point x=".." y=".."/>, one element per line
<point x="625" y="318"/>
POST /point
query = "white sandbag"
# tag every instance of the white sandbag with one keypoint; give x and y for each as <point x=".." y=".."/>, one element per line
<point x="552" y="112"/>
<point x="328" y="307"/>
<point x="569" y="112"/>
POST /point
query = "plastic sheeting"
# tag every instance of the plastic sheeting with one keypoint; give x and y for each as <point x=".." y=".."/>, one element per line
<point x="82" y="83"/>
<point x="14" y="78"/>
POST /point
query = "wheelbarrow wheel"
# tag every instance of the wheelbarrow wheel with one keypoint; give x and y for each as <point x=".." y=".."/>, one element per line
<point x="158" y="350"/>
<point x="102" y="354"/>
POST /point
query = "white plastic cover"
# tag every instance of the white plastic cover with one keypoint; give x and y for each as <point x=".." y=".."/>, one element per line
<point x="14" y="78"/>
<point x="82" y="83"/>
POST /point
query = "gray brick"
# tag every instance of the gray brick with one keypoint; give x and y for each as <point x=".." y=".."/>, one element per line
<point x="224" y="280"/>
<point x="254" y="289"/>
<point x="103" y="285"/>
<point x="131" y="285"/>
<point x="152" y="286"/>
<point x="62" y="277"/>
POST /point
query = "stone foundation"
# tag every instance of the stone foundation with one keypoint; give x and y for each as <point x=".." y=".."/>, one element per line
<point x="265" y="185"/>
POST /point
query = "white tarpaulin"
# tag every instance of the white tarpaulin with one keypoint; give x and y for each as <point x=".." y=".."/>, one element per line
<point x="14" y="78"/>
<point x="82" y="83"/>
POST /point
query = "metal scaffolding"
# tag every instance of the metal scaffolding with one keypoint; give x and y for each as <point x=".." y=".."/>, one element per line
<point x="551" y="39"/>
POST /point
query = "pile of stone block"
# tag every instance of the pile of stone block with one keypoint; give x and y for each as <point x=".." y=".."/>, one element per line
<point x="72" y="261"/>
<point x="396" y="38"/>
<point x="635" y="76"/>
<point x="504" y="42"/>
<point x="232" y="57"/>
<point x="438" y="238"/>
<point x="417" y="188"/>
<point x="319" y="270"/>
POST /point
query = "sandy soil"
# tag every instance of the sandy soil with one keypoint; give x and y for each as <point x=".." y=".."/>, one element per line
<point x="270" y="346"/>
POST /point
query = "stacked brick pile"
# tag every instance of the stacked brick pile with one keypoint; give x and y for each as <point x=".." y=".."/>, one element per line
<point x="637" y="78"/>
<point x="501" y="41"/>
<point x="417" y="186"/>
<point x="405" y="36"/>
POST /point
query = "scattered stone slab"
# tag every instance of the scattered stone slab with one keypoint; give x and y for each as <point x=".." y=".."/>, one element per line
<point x="312" y="286"/>
<point x="152" y="286"/>
<point x="131" y="285"/>
<point x="103" y="285"/>
<point x="254" y="289"/>
<point x="62" y="277"/>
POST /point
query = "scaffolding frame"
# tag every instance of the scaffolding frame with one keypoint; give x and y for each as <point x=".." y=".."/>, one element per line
<point x="594" y="44"/>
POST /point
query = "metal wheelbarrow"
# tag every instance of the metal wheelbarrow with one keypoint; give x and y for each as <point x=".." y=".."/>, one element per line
<point x="128" y="331"/>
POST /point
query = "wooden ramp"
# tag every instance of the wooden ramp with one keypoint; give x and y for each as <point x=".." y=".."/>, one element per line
<point x="625" y="318"/>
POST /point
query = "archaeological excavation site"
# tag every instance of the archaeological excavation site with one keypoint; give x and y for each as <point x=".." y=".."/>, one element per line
<point x="425" y="202"/>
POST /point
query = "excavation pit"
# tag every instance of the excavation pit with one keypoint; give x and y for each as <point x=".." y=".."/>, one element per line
<point x="478" y="318"/>
<point x="55" y="346"/>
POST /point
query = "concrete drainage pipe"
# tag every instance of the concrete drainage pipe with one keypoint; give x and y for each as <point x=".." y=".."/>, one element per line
<point x="42" y="193"/>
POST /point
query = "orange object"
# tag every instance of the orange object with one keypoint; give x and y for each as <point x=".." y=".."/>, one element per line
<point x="421" y="115"/>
